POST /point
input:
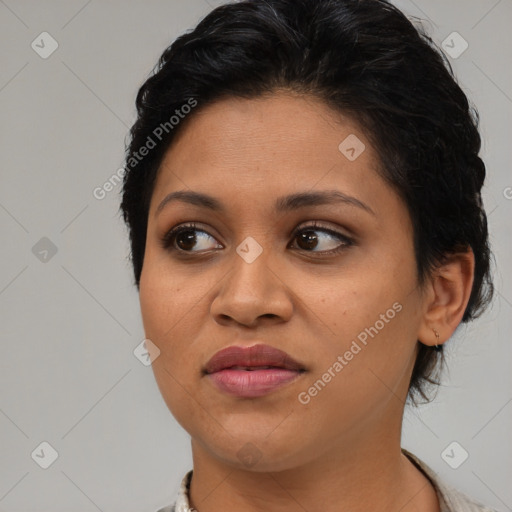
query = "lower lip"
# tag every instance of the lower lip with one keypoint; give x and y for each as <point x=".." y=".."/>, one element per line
<point x="253" y="383"/>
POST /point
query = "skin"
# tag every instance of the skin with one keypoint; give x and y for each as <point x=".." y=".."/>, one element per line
<point x="342" y="449"/>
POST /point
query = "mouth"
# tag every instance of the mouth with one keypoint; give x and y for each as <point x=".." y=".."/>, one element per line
<point x="252" y="383"/>
<point x="255" y="368"/>
<point x="250" y="372"/>
<point x="256" y="357"/>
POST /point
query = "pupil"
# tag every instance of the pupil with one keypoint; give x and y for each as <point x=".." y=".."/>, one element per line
<point x="309" y="238"/>
<point x="190" y="238"/>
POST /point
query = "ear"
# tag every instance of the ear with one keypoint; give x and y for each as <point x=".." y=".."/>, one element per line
<point x="446" y="297"/>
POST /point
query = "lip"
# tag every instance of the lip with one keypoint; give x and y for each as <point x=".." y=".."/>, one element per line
<point x="257" y="381"/>
<point x="255" y="355"/>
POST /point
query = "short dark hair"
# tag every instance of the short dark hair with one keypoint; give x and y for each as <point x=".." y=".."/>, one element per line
<point x="364" y="59"/>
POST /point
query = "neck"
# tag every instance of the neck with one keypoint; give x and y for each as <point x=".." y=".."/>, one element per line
<point x="367" y="472"/>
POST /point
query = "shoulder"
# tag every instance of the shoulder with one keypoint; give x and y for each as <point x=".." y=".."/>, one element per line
<point x="450" y="498"/>
<point x="182" y="500"/>
<point x="458" y="501"/>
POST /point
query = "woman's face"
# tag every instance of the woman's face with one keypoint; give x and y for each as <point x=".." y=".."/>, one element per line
<point x="343" y="291"/>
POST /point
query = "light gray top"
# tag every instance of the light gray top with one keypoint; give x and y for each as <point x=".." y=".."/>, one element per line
<point x="450" y="499"/>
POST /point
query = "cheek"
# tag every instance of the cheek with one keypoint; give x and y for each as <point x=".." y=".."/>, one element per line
<point x="167" y="315"/>
<point x="173" y="307"/>
<point x="166" y="297"/>
<point x="164" y="308"/>
<point x="370" y="319"/>
<point x="345" y="305"/>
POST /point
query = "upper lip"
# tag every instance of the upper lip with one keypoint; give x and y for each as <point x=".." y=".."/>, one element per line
<point x="255" y="355"/>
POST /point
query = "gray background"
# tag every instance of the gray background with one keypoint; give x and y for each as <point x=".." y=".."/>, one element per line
<point x="70" y="321"/>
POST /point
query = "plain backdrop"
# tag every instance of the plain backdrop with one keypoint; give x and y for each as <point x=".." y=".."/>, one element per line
<point x="70" y="321"/>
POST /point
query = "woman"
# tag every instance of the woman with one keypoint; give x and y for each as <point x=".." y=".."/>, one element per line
<point x="303" y="199"/>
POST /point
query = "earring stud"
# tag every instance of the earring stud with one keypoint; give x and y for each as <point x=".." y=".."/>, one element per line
<point x="437" y="347"/>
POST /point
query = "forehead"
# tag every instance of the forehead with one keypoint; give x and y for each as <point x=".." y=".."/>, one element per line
<point x="273" y="125"/>
<point x="248" y="152"/>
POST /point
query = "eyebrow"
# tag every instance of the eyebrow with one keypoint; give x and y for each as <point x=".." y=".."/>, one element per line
<point x="282" y="204"/>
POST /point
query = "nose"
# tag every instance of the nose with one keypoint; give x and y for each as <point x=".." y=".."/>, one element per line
<point x="252" y="293"/>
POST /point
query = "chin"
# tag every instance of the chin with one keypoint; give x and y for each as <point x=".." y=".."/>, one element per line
<point x="258" y="455"/>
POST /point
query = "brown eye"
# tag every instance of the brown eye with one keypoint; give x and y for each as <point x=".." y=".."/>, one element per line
<point x="307" y="240"/>
<point x="186" y="237"/>
<point x="322" y="240"/>
<point x="314" y="239"/>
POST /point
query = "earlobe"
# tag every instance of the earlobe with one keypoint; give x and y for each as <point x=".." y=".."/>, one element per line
<point x="450" y="290"/>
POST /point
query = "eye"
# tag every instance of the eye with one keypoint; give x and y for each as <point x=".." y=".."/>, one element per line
<point x="331" y="242"/>
<point x="186" y="236"/>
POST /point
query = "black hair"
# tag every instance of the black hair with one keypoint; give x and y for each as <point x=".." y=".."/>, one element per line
<point x="363" y="58"/>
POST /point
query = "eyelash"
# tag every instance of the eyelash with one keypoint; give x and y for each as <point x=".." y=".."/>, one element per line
<point x="168" y="239"/>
